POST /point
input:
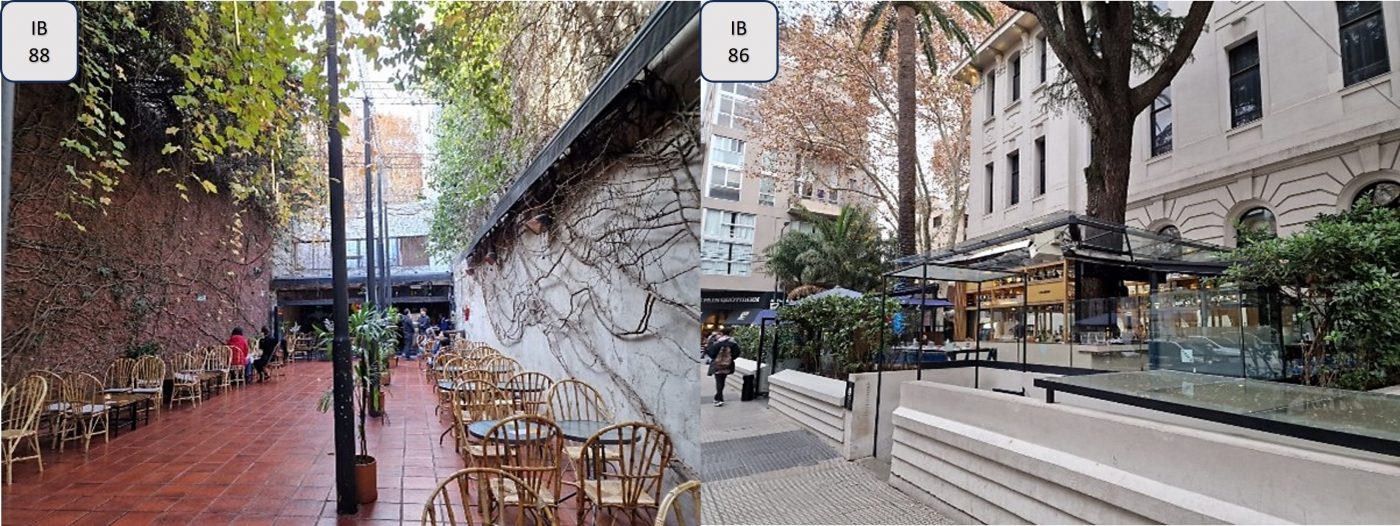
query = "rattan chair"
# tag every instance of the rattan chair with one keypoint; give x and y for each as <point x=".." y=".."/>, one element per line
<point x="531" y="390"/>
<point x="86" y="412"/>
<point x="477" y="402"/>
<point x="118" y="378"/>
<point x="278" y="363"/>
<point x="20" y="409"/>
<point x="626" y="479"/>
<point x="504" y="367"/>
<point x="149" y="379"/>
<point x="188" y="386"/>
<point x="538" y="460"/>
<point x="238" y="373"/>
<point x="219" y="359"/>
<point x="573" y="399"/>
<point x="51" y="416"/>
<point x="670" y="507"/>
<point x="442" y="510"/>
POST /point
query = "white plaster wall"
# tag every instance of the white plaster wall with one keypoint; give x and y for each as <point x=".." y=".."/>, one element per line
<point x="1005" y="459"/>
<point x="582" y="307"/>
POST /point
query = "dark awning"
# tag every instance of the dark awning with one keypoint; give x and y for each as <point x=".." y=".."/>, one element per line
<point x="928" y="303"/>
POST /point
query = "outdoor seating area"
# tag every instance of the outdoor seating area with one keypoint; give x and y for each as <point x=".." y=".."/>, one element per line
<point x="536" y="447"/>
<point x="73" y="406"/>
<point x="525" y="448"/>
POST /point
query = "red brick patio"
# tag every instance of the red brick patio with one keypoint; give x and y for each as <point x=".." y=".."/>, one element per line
<point x="260" y="454"/>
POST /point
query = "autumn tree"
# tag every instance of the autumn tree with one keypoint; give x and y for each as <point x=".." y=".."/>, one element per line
<point x="835" y="103"/>
<point x="923" y="22"/>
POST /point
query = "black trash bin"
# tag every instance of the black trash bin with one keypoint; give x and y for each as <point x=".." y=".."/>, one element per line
<point x="750" y="389"/>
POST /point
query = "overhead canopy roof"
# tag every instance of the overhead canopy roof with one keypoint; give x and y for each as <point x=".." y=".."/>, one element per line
<point x="1004" y="253"/>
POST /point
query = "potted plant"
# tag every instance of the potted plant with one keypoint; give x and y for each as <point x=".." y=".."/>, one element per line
<point x="372" y="334"/>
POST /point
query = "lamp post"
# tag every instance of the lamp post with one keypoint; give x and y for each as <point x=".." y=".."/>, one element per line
<point x="343" y="383"/>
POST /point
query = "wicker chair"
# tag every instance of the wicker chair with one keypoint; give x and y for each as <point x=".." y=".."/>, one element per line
<point x="188" y="387"/>
<point x="503" y="366"/>
<point x="86" y="411"/>
<point x="669" y="506"/>
<point x="442" y="510"/>
<point x="51" y="417"/>
<point x="573" y="399"/>
<point x="238" y="373"/>
<point x="277" y="364"/>
<point x="149" y="378"/>
<point x="627" y="479"/>
<point x="118" y="379"/>
<point x="20" y="409"/>
<point x="537" y="461"/>
<point x="219" y="360"/>
<point x="476" y="402"/>
<point x="530" y="389"/>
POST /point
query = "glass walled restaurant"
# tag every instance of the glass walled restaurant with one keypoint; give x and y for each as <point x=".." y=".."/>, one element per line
<point x="1166" y="308"/>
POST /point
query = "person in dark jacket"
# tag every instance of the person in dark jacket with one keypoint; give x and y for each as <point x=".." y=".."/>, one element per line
<point x="268" y="344"/>
<point x="406" y="326"/>
<point x="722" y="353"/>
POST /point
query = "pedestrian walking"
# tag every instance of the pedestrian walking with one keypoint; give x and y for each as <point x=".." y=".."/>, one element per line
<point x="722" y="352"/>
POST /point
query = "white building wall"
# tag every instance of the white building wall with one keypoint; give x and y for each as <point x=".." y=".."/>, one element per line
<point x="574" y="302"/>
<point x="1317" y="145"/>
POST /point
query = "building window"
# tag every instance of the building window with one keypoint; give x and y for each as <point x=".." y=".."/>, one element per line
<point x="767" y="191"/>
<point x="1040" y="182"/>
<point x="1013" y="171"/>
<point x="991" y="93"/>
<point x="1170" y="231"/>
<point x="1364" y="52"/>
<point x="410" y="251"/>
<point x="727" y="246"/>
<point x="1044" y="57"/>
<point x="1015" y="78"/>
<point x="991" y="199"/>
<point x="1255" y="223"/>
<point x="1246" y="95"/>
<point x="1162" y="123"/>
<point x="736" y="104"/>
<point x="726" y="167"/>
<point x="354" y="253"/>
<point x="1384" y="193"/>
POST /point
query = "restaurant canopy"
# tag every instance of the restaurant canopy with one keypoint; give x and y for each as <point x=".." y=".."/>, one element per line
<point x="1004" y="253"/>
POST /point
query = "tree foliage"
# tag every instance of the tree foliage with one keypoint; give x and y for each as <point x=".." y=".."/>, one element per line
<point x="834" y="104"/>
<point x="1344" y="273"/>
<point x="842" y="332"/>
<point x="508" y="75"/>
<point x="845" y="251"/>
<point x="224" y="89"/>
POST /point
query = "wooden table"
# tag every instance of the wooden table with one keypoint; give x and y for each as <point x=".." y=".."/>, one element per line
<point x="134" y="403"/>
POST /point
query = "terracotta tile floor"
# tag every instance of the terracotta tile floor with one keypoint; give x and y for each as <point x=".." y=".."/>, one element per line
<point x="260" y="454"/>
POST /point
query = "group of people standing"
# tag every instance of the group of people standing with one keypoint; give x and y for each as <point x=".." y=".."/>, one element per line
<point x="417" y="326"/>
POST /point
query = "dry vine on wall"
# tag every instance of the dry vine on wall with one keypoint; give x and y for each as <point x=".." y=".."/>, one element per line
<point x="623" y="247"/>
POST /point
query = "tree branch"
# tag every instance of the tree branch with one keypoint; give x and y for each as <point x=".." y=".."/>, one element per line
<point x="1143" y="95"/>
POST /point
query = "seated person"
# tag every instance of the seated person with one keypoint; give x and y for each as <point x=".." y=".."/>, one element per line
<point x="268" y="344"/>
<point x="240" y="350"/>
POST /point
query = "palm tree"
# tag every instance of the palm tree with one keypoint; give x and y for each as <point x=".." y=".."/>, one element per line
<point x="914" y="21"/>
<point x="845" y="251"/>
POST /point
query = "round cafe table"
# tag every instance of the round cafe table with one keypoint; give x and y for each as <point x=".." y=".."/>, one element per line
<point x="481" y="428"/>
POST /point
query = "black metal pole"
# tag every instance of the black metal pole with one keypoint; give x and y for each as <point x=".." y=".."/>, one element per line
<point x="977" y="339"/>
<point x="343" y="383"/>
<point x="923" y="299"/>
<point x="371" y="294"/>
<point x="762" y="339"/>
<point x="388" y="294"/>
<point x="879" y="369"/>
<point x="1025" y="310"/>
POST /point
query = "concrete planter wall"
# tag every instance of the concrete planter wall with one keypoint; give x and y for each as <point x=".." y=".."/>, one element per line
<point x="814" y="401"/>
<point x="993" y="458"/>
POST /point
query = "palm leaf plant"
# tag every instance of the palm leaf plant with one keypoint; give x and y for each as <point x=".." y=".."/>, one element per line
<point x="373" y="338"/>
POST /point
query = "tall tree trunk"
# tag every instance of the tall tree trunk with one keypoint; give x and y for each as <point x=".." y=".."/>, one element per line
<point x="1106" y="178"/>
<point x="905" y="141"/>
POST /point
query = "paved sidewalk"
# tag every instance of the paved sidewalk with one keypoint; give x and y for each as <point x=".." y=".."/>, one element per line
<point x="763" y="468"/>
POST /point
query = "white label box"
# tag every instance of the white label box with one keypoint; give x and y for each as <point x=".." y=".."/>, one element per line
<point x="40" y="41"/>
<point x="738" y="41"/>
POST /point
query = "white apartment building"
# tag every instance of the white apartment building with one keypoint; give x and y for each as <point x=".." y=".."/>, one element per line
<point x="746" y="206"/>
<point x="1285" y="111"/>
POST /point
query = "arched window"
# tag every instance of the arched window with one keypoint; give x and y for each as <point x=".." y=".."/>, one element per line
<point x="1169" y="249"/>
<point x="1170" y="231"/>
<point x="1256" y="222"/>
<point x="1381" y="193"/>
